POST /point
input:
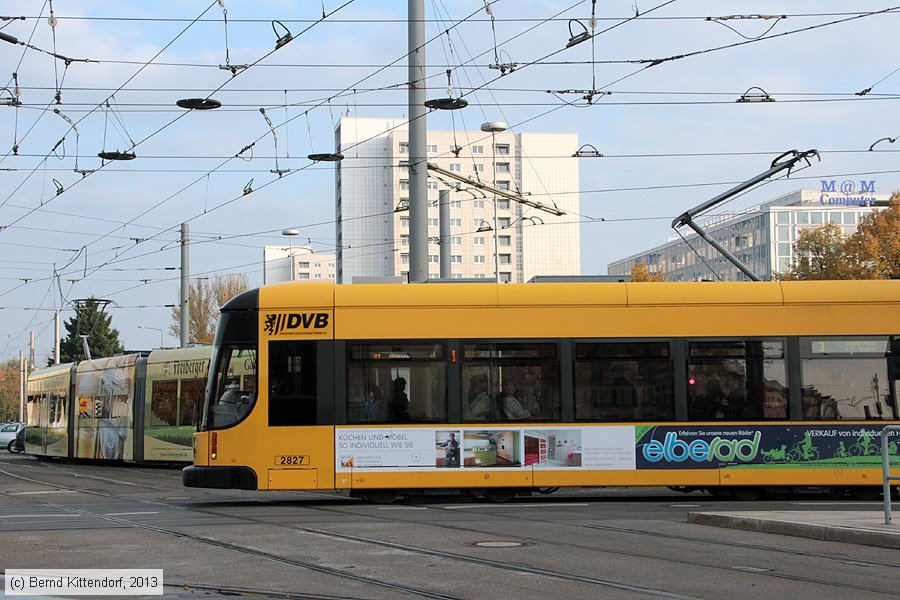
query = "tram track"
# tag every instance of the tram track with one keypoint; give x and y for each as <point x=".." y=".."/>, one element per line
<point x="641" y="591"/>
<point x="647" y="592"/>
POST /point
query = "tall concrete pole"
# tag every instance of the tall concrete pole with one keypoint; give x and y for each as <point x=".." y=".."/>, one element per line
<point x="418" y="171"/>
<point x="56" y="348"/>
<point x="22" y="386"/>
<point x="185" y="286"/>
<point x="31" y="350"/>
<point x="444" y="207"/>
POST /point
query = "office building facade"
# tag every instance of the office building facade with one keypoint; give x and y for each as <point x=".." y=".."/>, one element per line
<point x="761" y="237"/>
<point x="372" y="195"/>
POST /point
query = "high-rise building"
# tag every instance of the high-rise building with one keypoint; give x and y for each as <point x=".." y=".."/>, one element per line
<point x="306" y="264"/>
<point x="372" y="193"/>
<point x="761" y="237"/>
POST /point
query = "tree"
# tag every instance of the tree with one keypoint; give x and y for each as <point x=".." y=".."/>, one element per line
<point x="872" y="252"/>
<point x="9" y="390"/>
<point x="640" y="272"/>
<point x="89" y="320"/>
<point x="206" y="297"/>
<point x="821" y="254"/>
<point x="876" y="243"/>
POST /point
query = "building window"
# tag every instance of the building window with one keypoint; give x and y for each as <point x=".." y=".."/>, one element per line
<point x="503" y="240"/>
<point x="434" y="222"/>
<point x="503" y="167"/>
<point x="404" y="259"/>
<point x="318" y="276"/>
<point x="815" y="218"/>
<point x="404" y="222"/>
<point x="456" y="258"/>
<point x="479" y="259"/>
<point x="303" y="265"/>
<point x="404" y="184"/>
<point x="505" y="259"/>
<point x="455" y="167"/>
<point x="478" y="204"/>
<point x="783" y="218"/>
<point x="404" y="240"/>
<point x="502" y="149"/>
<point x="456" y="241"/>
<point x="431" y="148"/>
<point x="477" y="149"/>
<point x="404" y="164"/>
<point x="456" y="204"/>
<point x="478" y="241"/>
<point x="478" y="167"/>
<point x="431" y="185"/>
<point x="505" y="277"/>
<point x="434" y="258"/>
<point x="503" y="204"/>
<point x="503" y="222"/>
<point x="503" y="185"/>
<point x="455" y="222"/>
<point x="404" y="147"/>
<point x="302" y="275"/>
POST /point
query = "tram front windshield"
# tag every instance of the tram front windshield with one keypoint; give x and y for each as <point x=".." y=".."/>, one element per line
<point x="233" y="386"/>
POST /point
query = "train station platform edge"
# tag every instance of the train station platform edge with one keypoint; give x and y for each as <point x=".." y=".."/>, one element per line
<point x="867" y="528"/>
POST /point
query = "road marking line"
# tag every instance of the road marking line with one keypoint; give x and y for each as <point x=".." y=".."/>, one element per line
<point x="68" y="515"/>
<point x="402" y="508"/>
<point x="130" y="513"/>
<point x="43" y="492"/>
<point x="543" y="505"/>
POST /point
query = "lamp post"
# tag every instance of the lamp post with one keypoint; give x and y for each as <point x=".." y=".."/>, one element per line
<point x="290" y="233"/>
<point x="494" y="127"/>
<point x="155" y="329"/>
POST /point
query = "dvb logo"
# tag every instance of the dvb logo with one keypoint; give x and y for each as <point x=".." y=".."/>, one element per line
<point x="276" y="324"/>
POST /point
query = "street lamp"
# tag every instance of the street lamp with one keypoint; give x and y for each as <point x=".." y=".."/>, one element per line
<point x="494" y="127"/>
<point x="290" y="233"/>
<point x="161" y="347"/>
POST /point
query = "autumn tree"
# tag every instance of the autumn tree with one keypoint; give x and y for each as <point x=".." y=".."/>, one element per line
<point x="640" y="272"/>
<point x="9" y="390"/>
<point x="206" y="297"/>
<point x="91" y="320"/>
<point x="820" y="254"/>
<point x="876" y="243"/>
<point x="872" y="252"/>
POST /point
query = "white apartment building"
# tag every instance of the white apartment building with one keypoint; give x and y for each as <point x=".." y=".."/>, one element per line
<point x="306" y="264"/>
<point x="372" y="190"/>
<point x="761" y="237"/>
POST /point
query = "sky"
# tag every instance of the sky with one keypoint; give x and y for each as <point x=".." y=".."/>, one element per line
<point x="654" y="91"/>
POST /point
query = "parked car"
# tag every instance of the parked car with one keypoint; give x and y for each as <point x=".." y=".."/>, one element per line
<point x="8" y="433"/>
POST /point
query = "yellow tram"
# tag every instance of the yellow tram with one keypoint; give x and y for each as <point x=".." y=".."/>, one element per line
<point x="499" y="389"/>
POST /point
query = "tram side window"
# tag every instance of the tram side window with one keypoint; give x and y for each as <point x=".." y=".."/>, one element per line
<point x="624" y="382"/>
<point x="163" y="401"/>
<point x="292" y="383"/>
<point x="230" y="401"/>
<point x="396" y="382"/>
<point x="513" y="381"/>
<point x="191" y="401"/>
<point x="737" y="380"/>
<point x="846" y="378"/>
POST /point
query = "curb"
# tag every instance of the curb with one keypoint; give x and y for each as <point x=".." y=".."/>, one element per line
<point x="818" y="531"/>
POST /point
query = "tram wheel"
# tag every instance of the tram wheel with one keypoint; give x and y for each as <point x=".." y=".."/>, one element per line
<point x="745" y="494"/>
<point x="381" y="496"/>
<point x="500" y="496"/>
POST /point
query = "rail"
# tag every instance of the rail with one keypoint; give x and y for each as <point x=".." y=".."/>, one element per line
<point x="886" y="471"/>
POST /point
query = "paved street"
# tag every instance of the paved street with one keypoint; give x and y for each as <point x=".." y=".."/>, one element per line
<point x="610" y="543"/>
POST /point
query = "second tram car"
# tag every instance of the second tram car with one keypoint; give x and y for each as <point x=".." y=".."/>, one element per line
<point x="132" y="407"/>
